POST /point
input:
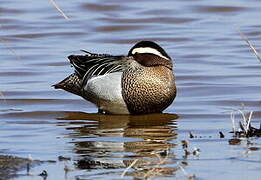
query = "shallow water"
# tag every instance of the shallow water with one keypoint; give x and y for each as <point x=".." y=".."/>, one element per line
<point x="215" y="71"/>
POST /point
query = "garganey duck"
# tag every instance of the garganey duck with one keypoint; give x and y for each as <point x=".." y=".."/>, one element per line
<point x="142" y="82"/>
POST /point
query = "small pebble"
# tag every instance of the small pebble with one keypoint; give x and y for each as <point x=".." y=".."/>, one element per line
<point x="254" y="148"/>
<point x="196" y="151"/>
<point x="191" y="135"/>
<point x="184" y="144"/>
<point x="234" y="141"/>
<point x="63" y="158"/>
<point x="221" y="135"/>
<point x="44" y="173"/>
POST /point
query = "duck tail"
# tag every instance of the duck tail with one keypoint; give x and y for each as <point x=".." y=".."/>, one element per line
<point x="71" y="84"/>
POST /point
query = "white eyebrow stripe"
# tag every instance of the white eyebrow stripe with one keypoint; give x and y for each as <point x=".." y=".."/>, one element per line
<point x="148" y="50"/>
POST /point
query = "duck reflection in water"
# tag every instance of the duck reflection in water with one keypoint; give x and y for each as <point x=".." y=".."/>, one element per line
<point x="116" y="141"/>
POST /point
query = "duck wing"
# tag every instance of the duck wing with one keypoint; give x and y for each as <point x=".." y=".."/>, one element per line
<point x="90" y="65"/>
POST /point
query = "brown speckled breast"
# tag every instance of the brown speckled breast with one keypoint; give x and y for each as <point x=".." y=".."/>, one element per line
<point x="148" y="89"/>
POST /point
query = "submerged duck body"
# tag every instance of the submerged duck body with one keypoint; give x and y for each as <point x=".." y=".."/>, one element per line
<point x="139" y="83"/>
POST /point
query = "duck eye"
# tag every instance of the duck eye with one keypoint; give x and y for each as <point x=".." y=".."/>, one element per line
<point x="134" y="53"/>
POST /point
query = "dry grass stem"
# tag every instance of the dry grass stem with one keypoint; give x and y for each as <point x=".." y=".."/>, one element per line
<point x="249" y="120"/>
<point x="130" y="166"/>
<point x="232" y="117"/>
<point x="246" y="120"/>
<point x="2" y="95"/>
<point x="249" y="44"/>
<point x="244" y="124"/>
<point x="153" y="170"/>
<point x="58" y="9"/>
<point x="185" y="172"/>
<point x="10" y="49"/>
